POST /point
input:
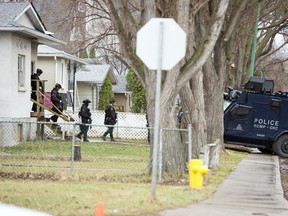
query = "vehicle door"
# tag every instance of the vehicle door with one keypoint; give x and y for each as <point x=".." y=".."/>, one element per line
<point x="238" y="122"/>
<point x="266" y="122"/>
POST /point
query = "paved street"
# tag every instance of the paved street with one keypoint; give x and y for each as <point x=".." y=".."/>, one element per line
<point x="253" y="188"/>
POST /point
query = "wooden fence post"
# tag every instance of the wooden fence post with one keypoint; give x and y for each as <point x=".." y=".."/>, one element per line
<point x="77" y="153"/>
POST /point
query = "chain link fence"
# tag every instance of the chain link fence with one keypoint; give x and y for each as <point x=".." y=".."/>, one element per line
<point x="38" y="150"/>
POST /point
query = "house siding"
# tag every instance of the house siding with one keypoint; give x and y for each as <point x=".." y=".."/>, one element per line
<point x="120" y="104"/>
<point x="19" y="98"/>
<point x="25" y="21"/>
<point x="13" y="101"/>
<point x="84" y="91"/>
<point x="52" y="73"/>
<point x="62" y="73"/>
<point x="34" y="56"/>
<point x="5" y="73"/>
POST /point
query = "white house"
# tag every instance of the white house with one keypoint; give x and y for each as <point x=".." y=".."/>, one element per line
<point x="21" y="31"/>
<point x="89" y="81"/>
<point x="58" y="67"/>
<point x="121" y="94"/>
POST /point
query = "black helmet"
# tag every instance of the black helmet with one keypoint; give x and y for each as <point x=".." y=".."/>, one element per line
<point x="58" y="86"/>
<point x="111" y="100"/>
<point x="39" y="71"/>
<point x="86" y="101"/>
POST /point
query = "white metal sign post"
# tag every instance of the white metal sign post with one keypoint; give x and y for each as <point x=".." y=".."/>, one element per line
<point x="161" y="43"/>
<point x="157" y="111"/>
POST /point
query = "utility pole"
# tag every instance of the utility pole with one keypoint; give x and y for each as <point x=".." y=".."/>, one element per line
<point x="252" y="64"/>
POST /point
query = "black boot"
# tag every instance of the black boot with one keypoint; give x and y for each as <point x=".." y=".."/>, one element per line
<point x="79" y="136"/>
<point x="104" y="138"/>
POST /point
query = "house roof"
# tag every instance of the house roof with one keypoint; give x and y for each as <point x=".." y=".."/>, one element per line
<point x="46" y="51"/>
<point x="120" y="86"/>
<point x="95" y="74"/>
<point x="11" y="14"/>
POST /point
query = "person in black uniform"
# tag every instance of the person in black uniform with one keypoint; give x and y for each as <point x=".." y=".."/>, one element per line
<point x="147" y="125"/>
<point x="34" y="78"/>
<point x="85" y="116"/>
<point x="110" y="119"/>
<point x="179" y="117"/>
<point x="57" y="102"/>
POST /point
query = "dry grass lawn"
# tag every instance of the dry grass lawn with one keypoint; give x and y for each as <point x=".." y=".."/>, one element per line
<point x="79" y="198"/>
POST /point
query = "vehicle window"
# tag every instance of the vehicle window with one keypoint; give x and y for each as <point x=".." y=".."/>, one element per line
<point x="226" y="104"/>
<point x="275" y="103"/>
<point x="240" y="110"/>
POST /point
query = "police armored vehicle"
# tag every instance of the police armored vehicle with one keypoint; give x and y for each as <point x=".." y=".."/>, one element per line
<point x="257" y="117"/>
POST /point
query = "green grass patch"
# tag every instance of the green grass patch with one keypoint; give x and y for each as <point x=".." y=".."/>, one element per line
<point x="89" y="149"/>
<point x="53" y="158"/>
<point x="71" y="198"/>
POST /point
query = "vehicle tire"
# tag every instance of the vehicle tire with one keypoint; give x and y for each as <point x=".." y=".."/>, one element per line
<point x="280" y="146"/>
<point x="265" y="150"/>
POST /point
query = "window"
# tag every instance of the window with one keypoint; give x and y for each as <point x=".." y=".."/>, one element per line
<point x="21" y="71"/>
<point x="275" y="103"/>
<point x="240" y="110"/>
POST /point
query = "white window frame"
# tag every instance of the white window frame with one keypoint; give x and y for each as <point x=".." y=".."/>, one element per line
<point x="21" y="71"/>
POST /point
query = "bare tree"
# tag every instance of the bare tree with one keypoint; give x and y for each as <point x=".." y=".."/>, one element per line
<point x="229" y="65"/>
<point x="217" y="55"/>
<point x="185" y="77"/>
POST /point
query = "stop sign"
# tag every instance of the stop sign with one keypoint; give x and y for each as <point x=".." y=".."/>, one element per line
<point x="173" y="43"/>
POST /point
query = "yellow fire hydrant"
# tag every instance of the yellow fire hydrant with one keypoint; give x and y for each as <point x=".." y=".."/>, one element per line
<point x="196" y="173"/>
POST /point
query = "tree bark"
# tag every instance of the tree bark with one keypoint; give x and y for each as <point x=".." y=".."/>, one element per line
<point x="186" y="77"/>
<point x="218" y="54"/>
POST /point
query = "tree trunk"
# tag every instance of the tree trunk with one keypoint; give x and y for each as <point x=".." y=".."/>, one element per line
<point x="186" y="77"/>
<point x="202" y="20"/>
<point x="193" y="104"/>
<point x="214" y="89"/>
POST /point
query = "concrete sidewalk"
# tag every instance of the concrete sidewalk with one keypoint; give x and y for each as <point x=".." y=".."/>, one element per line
<point x="253" y="188"/>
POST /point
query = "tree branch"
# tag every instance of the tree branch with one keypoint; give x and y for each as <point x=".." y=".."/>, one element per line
<point x="124" y="37"/>
<point x="235" y="19"/>
<point x="206" y="47"/>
